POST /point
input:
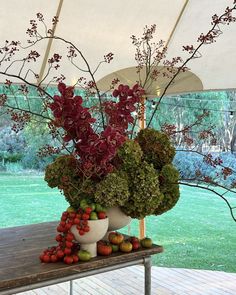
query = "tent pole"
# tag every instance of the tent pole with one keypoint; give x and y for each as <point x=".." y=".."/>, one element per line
<point x="49" y="45"/>
<point x="142" y="228"/>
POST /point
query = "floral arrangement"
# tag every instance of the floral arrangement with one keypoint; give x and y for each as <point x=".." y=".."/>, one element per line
<point x="107" y="167"/>
<point x="109" y="161"/>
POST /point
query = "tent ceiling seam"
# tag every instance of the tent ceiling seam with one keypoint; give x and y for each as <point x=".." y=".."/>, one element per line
<point x="49" y="45"/>
<point x="177" y="22"/>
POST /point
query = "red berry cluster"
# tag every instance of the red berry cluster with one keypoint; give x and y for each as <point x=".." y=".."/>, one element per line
<point x="67" y="248"/>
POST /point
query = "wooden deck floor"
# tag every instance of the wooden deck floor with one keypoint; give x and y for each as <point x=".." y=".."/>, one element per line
<point x="165" y="281"/>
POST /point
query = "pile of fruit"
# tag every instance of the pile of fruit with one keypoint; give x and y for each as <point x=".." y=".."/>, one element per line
<point x="117" y="242"/>
<point x="67" y="249"/>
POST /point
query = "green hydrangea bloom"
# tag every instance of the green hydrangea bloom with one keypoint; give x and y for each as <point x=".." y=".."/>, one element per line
<point x="145" y="195"/>
<point x="168" y="179"/>
<point x="156" y="146"/>
<point x="130" y="154"/>
<point x="113" y="190"/>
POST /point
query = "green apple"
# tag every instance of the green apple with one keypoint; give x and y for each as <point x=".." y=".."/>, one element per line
<point x="99" y="208"/>
<point x="93" y="216"/>
<point x="93" y="206"/>
<point x="115" y="248"/>
<point x="83" y="204"/>
<point x="84" y="255"/>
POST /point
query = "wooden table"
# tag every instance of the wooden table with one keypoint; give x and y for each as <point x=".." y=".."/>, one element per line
<point x="21" y="270"/>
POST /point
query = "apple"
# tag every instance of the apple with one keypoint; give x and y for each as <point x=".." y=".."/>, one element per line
<point x="135" y="242"/>
<point x="115" y="238"/>
<point x="146" y="242"/>
<point x="126" y="247"/>
<point x="93" y="216"/>
<point x="104" y="248"/>
<point x="136" y="245"/>
<point x="102" y="215"/>
<point x="88" y="210"/>
<point x="115" y="248"/>
<point x="134" y="239"/>
<point x="83" y="204"/>
<point x="84" y="255"/>
<point x="93" y="206"/>
<point x="99" y="208"/>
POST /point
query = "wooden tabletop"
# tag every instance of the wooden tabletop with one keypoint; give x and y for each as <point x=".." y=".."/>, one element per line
<point x="21" y="246"/>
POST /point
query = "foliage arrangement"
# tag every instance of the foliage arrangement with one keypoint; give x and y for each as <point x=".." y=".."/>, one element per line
<point x="107" y="159"/>
<point x="106" y="167"/>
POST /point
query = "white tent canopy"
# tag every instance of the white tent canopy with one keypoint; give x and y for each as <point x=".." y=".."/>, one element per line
<point x="100" y="27"/>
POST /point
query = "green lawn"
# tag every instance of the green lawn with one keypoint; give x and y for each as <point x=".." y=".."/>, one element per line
<point x="197" y="233"/>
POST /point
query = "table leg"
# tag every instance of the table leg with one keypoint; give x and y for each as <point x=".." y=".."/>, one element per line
<point x="71" y="287"/>
<point x="147" y="275"/>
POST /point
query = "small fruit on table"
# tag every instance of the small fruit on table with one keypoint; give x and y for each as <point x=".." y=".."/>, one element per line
<point x="146" y="242"/>
<point x="115" y="248"/>
<point x="68" y="259"/>
<point x="126" y="246"/>
<point x="84" y="255"/>
<point x="104" y="248"/>
<point x="115" y="238"/>
<point x="135" y="242"/>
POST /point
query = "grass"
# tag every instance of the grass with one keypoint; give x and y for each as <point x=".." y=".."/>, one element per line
<point x="197" y="233"/>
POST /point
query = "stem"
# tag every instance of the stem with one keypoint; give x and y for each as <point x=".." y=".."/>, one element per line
<point x="87" y="65"/>
<point x="26" y="82"/>
<point x="215" y="192"/>
<point x="28" y="111"/>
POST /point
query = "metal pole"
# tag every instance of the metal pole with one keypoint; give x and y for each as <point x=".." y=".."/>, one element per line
<point x="71" y="287"/>
<point x="147" y="275"/>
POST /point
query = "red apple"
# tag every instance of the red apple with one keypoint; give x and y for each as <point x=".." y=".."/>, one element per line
<point x="102" y="215"/>
<point x="104" y="248"/>
<point x="88" y="210"/>
<point x="134" y="239"/>
<point x="115" y="238"/>
<point x="135" y="242"/>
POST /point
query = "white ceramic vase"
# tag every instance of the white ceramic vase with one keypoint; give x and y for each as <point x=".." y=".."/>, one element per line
<point x="117" y="220"/>
<point x="88" y="241"/>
